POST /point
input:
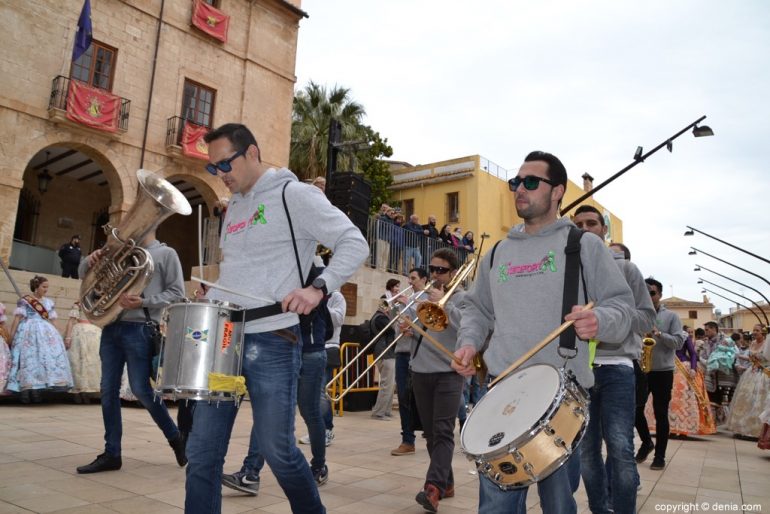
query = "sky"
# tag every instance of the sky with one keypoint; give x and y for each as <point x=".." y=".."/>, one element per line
<point x="588" y="82"/>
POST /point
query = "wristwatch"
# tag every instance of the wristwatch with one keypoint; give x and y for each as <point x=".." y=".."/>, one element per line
<point x="320" y="283"/>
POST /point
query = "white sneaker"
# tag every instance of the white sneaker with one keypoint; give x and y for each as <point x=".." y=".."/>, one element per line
<point x="305" y="439"/>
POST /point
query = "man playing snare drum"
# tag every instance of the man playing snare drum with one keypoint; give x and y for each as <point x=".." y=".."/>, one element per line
<point x="518" y="295"/>
<point x="261" y="248"/>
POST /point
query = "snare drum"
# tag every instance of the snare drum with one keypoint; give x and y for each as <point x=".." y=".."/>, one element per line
<point x="200" y="338"/>
<point x="526" y="426"/>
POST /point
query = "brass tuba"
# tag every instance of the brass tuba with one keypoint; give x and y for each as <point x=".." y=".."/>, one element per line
<point x="124" y="266"/>
<point x="648" y="343"/>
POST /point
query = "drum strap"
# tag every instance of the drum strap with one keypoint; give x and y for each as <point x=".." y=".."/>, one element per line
<point x="572" y="273"/>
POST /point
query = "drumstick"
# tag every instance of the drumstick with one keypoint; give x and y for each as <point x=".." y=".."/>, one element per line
<point x="433" y="341"/>
<point x="539" y="346"/>
<point x="200" y="239"/>
<point x="227" y="290"/>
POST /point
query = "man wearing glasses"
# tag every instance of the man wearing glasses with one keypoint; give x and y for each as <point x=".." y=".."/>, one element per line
<point x="667" y="333"/>
<point x="612" y="410"/>
<point x="262" y="248"/>
<point x="438" y="389"/>
<point x="519" y="295"/>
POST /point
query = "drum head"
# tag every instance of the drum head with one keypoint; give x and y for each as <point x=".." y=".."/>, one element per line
<point x="510" y="409"/>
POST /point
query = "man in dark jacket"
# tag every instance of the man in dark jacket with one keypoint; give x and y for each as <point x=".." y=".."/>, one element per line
<point x="69" y="253"/>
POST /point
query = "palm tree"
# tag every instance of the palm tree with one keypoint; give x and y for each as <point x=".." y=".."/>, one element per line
<point x="313" y="109"/>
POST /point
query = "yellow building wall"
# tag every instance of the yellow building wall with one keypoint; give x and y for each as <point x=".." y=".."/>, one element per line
<point x="486" y="203"/>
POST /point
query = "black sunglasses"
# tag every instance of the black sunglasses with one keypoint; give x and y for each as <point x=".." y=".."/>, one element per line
<point x="531" y="182"/>
<point x="439" y="270"/>
<point x="224" y="165"/>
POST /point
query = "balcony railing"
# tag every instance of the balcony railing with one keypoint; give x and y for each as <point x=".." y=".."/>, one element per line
<point x="175" y="129"/>
<point x="60" y="90"/>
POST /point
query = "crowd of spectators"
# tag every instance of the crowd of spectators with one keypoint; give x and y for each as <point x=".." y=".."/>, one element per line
<point x="398" y="245"/>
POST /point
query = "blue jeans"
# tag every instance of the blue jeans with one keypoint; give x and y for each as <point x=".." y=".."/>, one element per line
<point x="271" y="365"/>
<point x="326" y="406"/>
<point x="128" y="343"/>
<point x="310" y="385"/>
<point x="404" y="410"/>
<point x="410" y="253"/>
<point x="611" y="420"/>
<point x="556" y="492"/>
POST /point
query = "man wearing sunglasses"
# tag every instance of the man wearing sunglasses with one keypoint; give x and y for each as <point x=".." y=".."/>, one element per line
<point x="612" y="410"/>
<point x="438" y="389"/>
<point x="518" y="296"/>
<point x="667" y="332"/>
<point x="271" y="228"/>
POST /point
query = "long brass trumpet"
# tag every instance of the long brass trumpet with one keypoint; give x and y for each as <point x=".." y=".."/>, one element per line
<point x="387" y="304"/>
<point x="412" y="300"/>
<point x="432" y="314"/>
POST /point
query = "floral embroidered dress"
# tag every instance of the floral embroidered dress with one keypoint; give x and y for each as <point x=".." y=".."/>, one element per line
<point x="5" y="363"/>
<point x="750" y="397"/>
<point x="84" y="354"/>
<point x="38" y="357"/>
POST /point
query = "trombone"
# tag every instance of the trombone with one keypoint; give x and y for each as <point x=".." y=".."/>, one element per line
<point x="412" y="301"/>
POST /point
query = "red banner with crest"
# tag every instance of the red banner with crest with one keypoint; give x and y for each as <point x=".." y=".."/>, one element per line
<point x="93" y="107"/>
<point x="210" y="20"/>
<point x="193" y="144"/>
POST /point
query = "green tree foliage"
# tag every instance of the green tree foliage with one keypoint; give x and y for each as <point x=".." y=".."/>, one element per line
<point x="313" y="109"/>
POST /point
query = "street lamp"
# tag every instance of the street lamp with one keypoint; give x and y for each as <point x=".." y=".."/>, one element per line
<point x="639" y="157"/>
<point x="692" y="230"/>
<point x="767" y="322"/>
<point x="704" y="290"/>
<point x="694" y="251"/>
<point x="698" y="267"/>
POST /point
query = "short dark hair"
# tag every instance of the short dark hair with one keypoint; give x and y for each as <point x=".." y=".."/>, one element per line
<point x="736" y="336"/>
<point x="590" y="208"/>
<point x="652" y="282"/>
<point x="35" y="282"/>
<point x="699" y="332"/>
<point x="391" y="283"/>
<point x="712" y="324"/>
<point x="420" y="272"/>
<point x="626" y="251"/>
<point x="447" y="255"/>
<point x="556" y="171"/>
<point x="239" y="136"/>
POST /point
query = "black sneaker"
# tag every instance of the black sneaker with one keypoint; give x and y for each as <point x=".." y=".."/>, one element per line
<point x="644" y="452"/>
<point x="177" y="444"/>
<point x="242" y="481"/>
<point x="658" y="463"/>
<point x="103" y="462"/>
<point x="321" y="475"/>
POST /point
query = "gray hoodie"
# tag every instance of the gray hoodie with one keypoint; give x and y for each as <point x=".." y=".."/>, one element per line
<point x="258" y="256"/>
<point x="428" y="358"/>
<point x="643" y="316"/>
<point x="521" y="298"/>
<point x="166" y="285"/>
<point x="669" y="341"/>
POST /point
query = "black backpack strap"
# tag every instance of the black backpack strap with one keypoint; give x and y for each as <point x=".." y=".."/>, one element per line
<point x="572" y="272"/>
<point x="293" y="240"/>
<point x="492" y="255"/>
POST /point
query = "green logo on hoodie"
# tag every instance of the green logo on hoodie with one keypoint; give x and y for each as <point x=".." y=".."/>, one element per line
<point x="259" y="215"/>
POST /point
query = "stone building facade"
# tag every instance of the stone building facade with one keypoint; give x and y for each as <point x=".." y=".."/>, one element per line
<point x="156" y="61"/>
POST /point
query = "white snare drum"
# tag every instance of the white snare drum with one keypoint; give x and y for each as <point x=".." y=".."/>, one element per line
<point x="200" y="338"/>
<point x="526" y="426"/>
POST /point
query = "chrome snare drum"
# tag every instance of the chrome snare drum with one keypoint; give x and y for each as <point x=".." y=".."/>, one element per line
<point x="526" y="426"/>
<point x="201" y="338"/>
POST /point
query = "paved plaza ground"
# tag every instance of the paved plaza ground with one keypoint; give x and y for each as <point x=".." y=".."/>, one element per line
<point x="40" y="446"/>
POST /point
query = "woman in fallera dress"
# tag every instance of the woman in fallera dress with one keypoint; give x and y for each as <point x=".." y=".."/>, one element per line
<point x="5" y="352"/>
<point x="38" y="357"/>
<point x="81" y="338"/>
<point x="751" y="393"/>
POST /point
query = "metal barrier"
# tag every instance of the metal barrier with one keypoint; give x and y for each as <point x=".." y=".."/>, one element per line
<point x="350" y="352"/>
